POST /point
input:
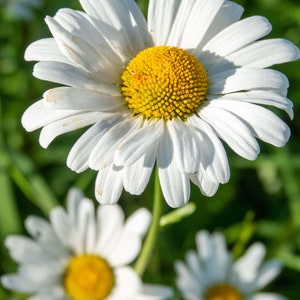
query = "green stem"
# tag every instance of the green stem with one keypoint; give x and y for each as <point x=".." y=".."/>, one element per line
<point x="145" y="255"/>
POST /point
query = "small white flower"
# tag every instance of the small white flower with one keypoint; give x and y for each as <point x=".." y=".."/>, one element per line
<point x="80" y="255"/>
<point x="166" y="92"/>
<point x="211" y="274"/>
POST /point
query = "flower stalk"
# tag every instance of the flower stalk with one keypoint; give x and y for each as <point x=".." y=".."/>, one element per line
<point x="149" y="243"/>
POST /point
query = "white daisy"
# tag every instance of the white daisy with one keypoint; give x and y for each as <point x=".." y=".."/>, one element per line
<point x="211" y="274"/>
<point x="80" y="256"/>
<point x="166" y="92"/>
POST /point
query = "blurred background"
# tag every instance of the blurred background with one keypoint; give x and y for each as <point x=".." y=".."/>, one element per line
<point x="261" y="202"/>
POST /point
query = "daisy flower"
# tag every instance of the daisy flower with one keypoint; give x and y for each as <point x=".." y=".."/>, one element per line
<point x="166" y="92"/>
<point x="80" y="256"/>
<point x="211" y="274"/>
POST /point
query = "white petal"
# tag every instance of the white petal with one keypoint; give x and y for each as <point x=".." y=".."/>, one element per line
<point x="261" y="54"/>
<point x="203" y="243"/>
<point x="37" y="116"/>
<point x="232" y="130"/>
<point x="222" y="257"/>
<point x="127" y="20"/>
<point x="54" y="293"/>
<point x="76" y="48"/>
<point x="17" y="283"/>
<point x="139" y="222"/>
<point x="139" y="142"/>
<point x="109" y="184"/>
<point x="247" y="266"/>
<point x="154" y="292"/>
<point x="51" y="131"/>
<point x="179" y="23"/>
<point x="268" y="296"/>
<point x="229" y="13"/>
<point x="174" y="184"/>
<point x="213" y="155"/>
<point x="199" y="21"/>
<point x="86" y="227"/>
<point x="187" y="282"/>
<point x="65" y="229"/>
<point x="246" y="79"/>
<point x="103" y="153"/>
<point x="80" y="99"/>
<point x="139" y="33"/>
<point x="74" y="198"/>
<point x="70" y="75"/>
<point x="161" y="15"/>
<point x="130" y="241"/>
<point x="110" y="220"/>
<point x="211" y="257"/>
<point x="80" y="152"/>
<point x="214" y="255"/>
<point x="208" y="187"/>
<point x="81" y="27"/>
<point x="62" y="73"/>
<point x="39" y="228"/>
<point x="195" y="266"/>
<point x="186" y="146"/>
<point x="264" y="123"/>
<point x="235" y="37"/>
<point x="43" y="275"/>
<point x="126" y="250"/>
<point x="127" y="284"/>
<point x="45" y="236"/>
<point x="137" y="175"/>
<point x="268" y="272"/>
<point x="25" y="250"/>
<point x="259" y="97"/>
<point x="45" y="50"/>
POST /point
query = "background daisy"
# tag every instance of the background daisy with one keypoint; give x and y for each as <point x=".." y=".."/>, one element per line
<point x="80" y="255"/>
<point x="161" y="92"/>
<point x="211" y="274"/>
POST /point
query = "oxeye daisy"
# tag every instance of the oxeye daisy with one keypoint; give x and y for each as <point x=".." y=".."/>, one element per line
<point x="164" y="92"/>
<point x="211" y="274"/>
<point x="80" y="255"/>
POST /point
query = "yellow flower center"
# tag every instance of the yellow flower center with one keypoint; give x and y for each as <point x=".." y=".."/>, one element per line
<point x="164" y="82"/>
<point x="88" y="277"/>
<point x="222" y="292"/>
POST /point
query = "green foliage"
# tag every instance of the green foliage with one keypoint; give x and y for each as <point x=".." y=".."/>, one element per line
<point x="261" y="202"/>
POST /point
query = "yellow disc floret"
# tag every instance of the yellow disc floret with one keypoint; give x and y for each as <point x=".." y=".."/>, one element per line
<point x="164" y="82"/>
<point x="88" y="277"/>
<point x="222" y="291"/>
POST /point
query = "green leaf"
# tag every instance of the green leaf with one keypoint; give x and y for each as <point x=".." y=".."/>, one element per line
<point x="177" y="215"/>
<point x="33" y="185"/>
<point x="9" y="217"/>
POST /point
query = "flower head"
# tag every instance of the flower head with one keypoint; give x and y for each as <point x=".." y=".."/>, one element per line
<point x="163" y="93"/>
<point x="211" y="274"/>
<point x="80" y="255"/>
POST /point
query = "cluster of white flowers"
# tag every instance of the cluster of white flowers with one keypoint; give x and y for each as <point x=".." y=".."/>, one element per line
<point x="167" y="92"/>
<point x="84" y="255"/>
